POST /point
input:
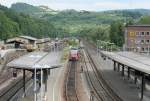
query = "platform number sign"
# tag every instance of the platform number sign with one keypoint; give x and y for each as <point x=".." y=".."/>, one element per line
<point x="132" y="34"/>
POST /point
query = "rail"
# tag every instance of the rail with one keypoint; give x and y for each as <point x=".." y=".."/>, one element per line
<point x="102" y="90"/>
<point x="8" y="93"/>
<point x="70" y="86"/>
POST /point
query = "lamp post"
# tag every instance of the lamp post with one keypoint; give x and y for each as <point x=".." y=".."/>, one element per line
<point x="35" y="89"/>
<point x="35" y="99"/>
<point x="41" y="84"/>
<point x="35" y="83"/>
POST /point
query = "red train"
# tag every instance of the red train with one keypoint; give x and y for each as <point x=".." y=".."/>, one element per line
<point x="74" y="54"/>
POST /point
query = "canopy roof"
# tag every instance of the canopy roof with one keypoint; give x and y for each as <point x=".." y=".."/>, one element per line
<point x="135" y="61"/>
<point x="37" y="60"/>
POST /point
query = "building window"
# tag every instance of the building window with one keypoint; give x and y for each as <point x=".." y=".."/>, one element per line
<point x="142" y="41"/>
<point x="137" y="33"/>
<point x="143" y="49"/>
<point x="146" y="49"/>
<point x="147" y="41"/>
<point x="142" y="33"/>
<point x="147" y="33"/>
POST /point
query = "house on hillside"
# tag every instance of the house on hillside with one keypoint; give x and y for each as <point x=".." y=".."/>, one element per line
<point x="137" y="38"/>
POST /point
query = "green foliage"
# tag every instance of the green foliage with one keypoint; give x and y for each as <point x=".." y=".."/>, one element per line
<point x="73" y="42"/>
<point x="14" y="24"/>
<point x="35" y="11"/>
<point x="25" y="8"/>
<point x="106" y="26"/>
<point x="8" y="28"/>
<point x="117" y="33"/>
<point x="99" y="32"/>
<point x="75" y="22"/>
<point x="144" y="20"/>
<point x="65" y="54"/>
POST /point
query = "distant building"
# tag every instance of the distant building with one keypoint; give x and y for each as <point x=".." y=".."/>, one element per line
<point x="26" y="41"/>
<point x="137" y="38"/>
<point x="43" y="43"/>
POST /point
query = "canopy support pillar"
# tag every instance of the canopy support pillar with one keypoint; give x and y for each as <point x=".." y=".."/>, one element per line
<point x="24" y="82"/>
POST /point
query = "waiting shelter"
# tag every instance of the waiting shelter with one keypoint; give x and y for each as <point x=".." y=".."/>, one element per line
<point x="38" y="63"/>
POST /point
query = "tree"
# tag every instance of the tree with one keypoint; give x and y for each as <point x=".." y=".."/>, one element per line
<point x="145" y="20"/>
<point x="116" y="33"/>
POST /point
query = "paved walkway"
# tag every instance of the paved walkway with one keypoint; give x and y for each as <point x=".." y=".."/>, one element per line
<point x="53" y="85"/>
<point x="126" y="89"/>
<point x="54" y="89"/>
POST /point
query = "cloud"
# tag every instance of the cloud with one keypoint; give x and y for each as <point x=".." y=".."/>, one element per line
<point x="62" y="6"/>
<point x="109" y="5"/>
<point x="8" y="2"/>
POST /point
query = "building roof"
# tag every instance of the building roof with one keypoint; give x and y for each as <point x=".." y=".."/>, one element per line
<point x="138" y="26"/>
<point x="137" y="62"/>
<point x="44" y="40"/>
<point x="36" y="60"/>
<point x="28" y="37"/>
<point x="15" y="40"/>
<point x="18" y="39"/>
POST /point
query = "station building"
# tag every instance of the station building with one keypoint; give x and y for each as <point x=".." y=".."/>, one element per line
<point x="137" y="38"/>
<point x="25" y="40"/>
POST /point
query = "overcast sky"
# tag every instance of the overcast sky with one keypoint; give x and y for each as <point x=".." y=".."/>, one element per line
<point x="92" y="5"/>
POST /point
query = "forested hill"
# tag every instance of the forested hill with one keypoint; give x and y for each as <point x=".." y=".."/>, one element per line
<point x="84" y="16"/>
<point x="14" y="24"/>
<point x="36" y="11"/>
<point x="41" y="21"/>
<point x="26" y="8"/>
<point x="73" y="20"/>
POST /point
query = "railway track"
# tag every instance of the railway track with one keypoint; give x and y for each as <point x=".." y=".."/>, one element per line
<point x="102" y="91"/>
<point x="5" y="77"/>
<point x="70" y="85"/>
<point x="8" y="93"/>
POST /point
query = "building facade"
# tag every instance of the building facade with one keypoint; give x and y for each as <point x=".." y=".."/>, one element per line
<point x="137" y="38"/>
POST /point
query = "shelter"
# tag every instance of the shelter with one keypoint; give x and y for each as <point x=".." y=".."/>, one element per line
<point x="136" y="63"/>
<point x="37" y="62"/>
<point x="16" y="41"/>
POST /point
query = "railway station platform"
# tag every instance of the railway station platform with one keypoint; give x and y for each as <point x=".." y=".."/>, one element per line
<point x="41" y="63"/>
<point x="54" y="87"/>
<point x="125" y="88"/>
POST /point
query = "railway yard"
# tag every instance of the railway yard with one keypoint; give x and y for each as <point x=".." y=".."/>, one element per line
<point x="92" y="76"/>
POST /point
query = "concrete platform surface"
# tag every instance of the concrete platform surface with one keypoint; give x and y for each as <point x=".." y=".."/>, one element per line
<point x="126" y="89"/>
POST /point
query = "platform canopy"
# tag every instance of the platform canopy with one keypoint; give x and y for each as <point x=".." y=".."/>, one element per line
<point x="37" y="60"/>
<point x="137" y="62"/>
